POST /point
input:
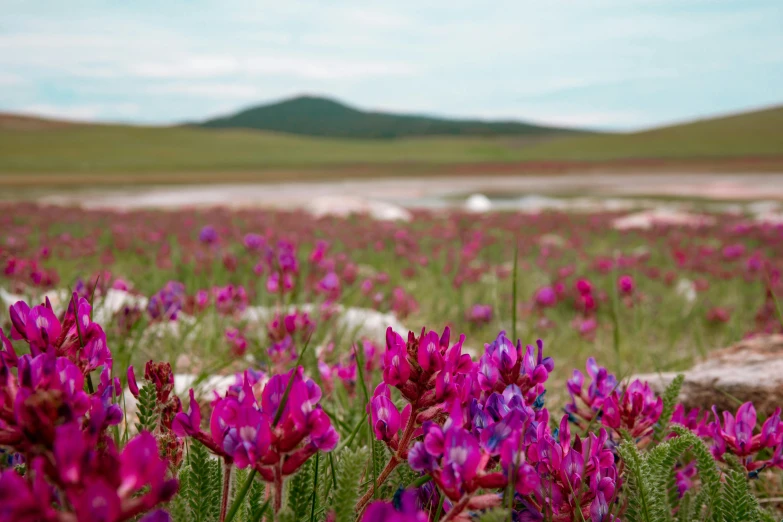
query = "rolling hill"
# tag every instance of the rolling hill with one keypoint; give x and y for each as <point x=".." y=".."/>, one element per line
<point x="755" y="133"/>
<point x="314" y="116"/>
<point x="37" y="151"/>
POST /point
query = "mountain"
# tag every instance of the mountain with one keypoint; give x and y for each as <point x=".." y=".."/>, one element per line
<point x="314" y="116"/>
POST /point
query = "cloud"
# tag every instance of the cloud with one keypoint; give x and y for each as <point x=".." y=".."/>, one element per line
<point x="85" y="112"/>
<point x="210" y="90"/>
<point x="214" y="66"/>
<point x="10" y="79"/>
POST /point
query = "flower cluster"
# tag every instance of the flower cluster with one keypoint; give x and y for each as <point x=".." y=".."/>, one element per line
<point x="60" y="432"/>
<point x="634" y="408"/>
<point x="737" y="435"/>
<point x="274" y="435"/>
<point x="287" y="334"/>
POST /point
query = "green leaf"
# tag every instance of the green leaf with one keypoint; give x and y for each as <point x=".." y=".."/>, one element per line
<point x="349" y="475"/>
<point x="738" y="504"/>
<point x="215" y="487"/>
<point x="253" y="505"/>
<point x="645" y="501"/>
<point x="670" y="398"/>
<point x="147" y="406"/>
<point x="197" y="492"/>
<point x="300" y="490"/>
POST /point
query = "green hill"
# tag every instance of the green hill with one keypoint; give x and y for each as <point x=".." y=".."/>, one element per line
<point x="312" y="116"/>
<point x="756" y="133"/>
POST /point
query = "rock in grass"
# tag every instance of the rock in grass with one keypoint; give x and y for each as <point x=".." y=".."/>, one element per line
<point x="750" y="370"/>
<point x="356" y="322"/>
<point x="647" y="219"/>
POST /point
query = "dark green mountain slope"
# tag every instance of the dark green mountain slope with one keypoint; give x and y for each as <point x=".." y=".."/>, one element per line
<point x="313" y="116"/>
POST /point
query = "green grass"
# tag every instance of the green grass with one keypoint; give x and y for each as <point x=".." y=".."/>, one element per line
<point x="125" y="149"/>
<point x="133" y="149"/>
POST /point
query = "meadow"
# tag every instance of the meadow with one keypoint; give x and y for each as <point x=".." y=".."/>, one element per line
<point x="35" y="152"/>
<point x="303" y="406"/>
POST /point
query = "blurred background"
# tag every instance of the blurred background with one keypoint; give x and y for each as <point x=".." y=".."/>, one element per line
<point x="143" y="103"/>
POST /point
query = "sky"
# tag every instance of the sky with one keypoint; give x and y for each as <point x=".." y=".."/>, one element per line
<point x="604" y="64"/>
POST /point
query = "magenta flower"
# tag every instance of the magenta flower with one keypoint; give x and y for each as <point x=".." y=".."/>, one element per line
<point x="584" y="287"/>
<point x="396" y="370"/>
<point x="575" y="476"/>
<point x="479" y="314"/>
<point x="545" y="297"/>
<point x="385" y="416"/>
<point x="457" y="464"/>
<point x="38" y="326"/>
<point x="132" y="386"/>
<point x="626" y="285"/>
<point x="736" y="434"/>
<point x="250" y="433"/>
<point x="591" y="401"/>
<point x="504" y="363"/>
<point x="637" y="409"/>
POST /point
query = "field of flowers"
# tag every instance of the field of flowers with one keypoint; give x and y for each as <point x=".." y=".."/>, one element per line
<point x="219" y="365"/>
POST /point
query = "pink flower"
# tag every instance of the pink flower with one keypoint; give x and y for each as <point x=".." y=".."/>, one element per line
<point x="626" y="285"/>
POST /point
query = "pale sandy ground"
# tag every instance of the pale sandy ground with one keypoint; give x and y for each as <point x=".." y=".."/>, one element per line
<point x="431" y="192"/>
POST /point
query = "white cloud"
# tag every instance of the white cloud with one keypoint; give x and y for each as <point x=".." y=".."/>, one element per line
<point x="210" y="90"/>
<point x="213" y="66"/>
<point x="8" y="79"/>
<point x="85" y="112"/>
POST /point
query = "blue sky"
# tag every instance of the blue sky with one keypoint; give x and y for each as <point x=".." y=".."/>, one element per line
<point x="615" y="64"/>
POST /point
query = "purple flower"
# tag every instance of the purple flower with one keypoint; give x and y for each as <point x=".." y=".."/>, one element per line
<point x="480" y="314"/>
<point x="208" y="235"/>
<point x="637" y="409"/>
<point x="167" y="302"/>
<point x="404" y="508"/>
<point x="157" y="516"/>
<point x="254" y="242"/>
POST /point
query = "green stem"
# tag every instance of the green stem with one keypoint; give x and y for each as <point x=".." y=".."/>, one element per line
<point x="240" y="497"/>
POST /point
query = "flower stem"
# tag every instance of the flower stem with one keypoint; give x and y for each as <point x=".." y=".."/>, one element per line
<point x="457" y="509"/>
<point x="278" y="487"/>
<point x="226" y="487"/>
<point x="391" y="465"/>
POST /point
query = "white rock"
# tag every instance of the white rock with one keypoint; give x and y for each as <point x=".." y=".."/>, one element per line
<point x="8" y="298"/>
<point x="751" y="370"/>
<point x="345" y="206"/>
<point x="686" y="290"/>
<point x="763" y="207"/>
<point x="661" y="216"/>
<point x="770" y="218"/>
<point x="113" y="301"/>
<point x="361" y="322"/>
<point x="478" y="203"/>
